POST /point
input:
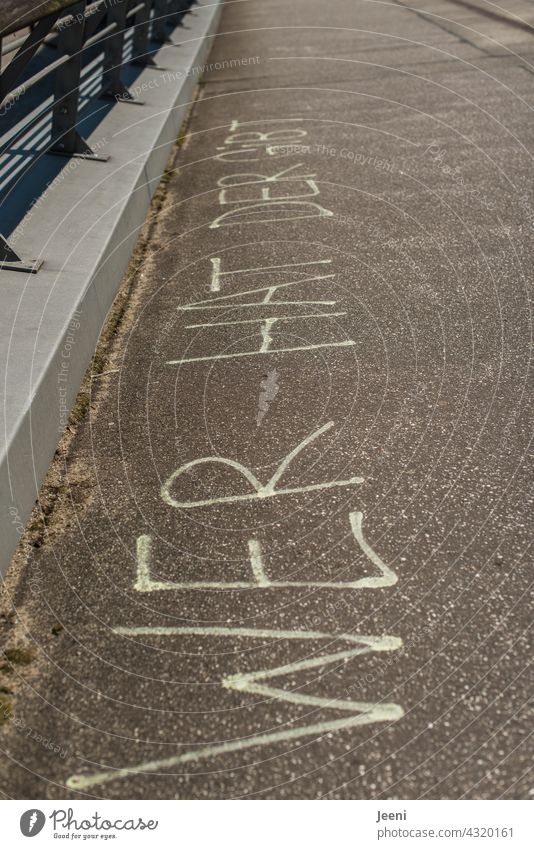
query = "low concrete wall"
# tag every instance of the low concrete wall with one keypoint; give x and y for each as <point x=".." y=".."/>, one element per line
<point x="85" y="230"/>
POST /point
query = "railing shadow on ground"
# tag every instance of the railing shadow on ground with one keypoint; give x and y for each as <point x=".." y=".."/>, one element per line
<point x="44" y="114"/>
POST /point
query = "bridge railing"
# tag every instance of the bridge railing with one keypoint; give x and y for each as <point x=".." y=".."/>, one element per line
<point x="72" y="27"/>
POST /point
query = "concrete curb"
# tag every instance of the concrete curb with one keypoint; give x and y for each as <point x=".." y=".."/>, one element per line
<point x="85" y="230"/>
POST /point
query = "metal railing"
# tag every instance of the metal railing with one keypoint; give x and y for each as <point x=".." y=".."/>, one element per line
<point x="73" y="27"/>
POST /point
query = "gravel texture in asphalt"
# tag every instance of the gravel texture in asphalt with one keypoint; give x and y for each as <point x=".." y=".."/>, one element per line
<point x="286" y="551"/>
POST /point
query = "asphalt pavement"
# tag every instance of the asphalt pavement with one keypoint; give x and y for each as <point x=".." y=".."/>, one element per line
<point x="288" y="556"/>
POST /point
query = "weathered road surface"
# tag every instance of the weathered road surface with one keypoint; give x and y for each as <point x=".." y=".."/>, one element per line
<point x="290" y="554"/>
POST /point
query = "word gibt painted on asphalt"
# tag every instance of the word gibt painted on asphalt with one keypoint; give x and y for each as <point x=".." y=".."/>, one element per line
<point x="273" y="300"/>
<point x="250" y="145"/>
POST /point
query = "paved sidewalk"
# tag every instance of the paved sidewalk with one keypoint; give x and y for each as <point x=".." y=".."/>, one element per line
<point x="289" y="555"/>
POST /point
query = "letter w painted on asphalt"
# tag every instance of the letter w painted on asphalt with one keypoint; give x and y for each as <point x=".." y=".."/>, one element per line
<point x="253" y="683"/>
